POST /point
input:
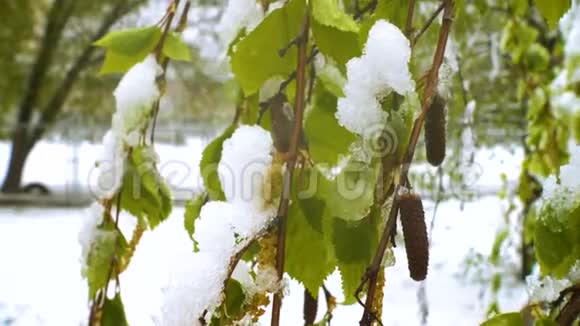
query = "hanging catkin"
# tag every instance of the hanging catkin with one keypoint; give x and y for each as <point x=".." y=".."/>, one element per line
<point x="415" y="233"/>
<point x="435" y="130"/>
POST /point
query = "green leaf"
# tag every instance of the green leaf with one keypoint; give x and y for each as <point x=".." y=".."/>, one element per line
<point x="354" y="247"/>
<point x="105" y="246"/>
<point x="175" y="48"/>
<point x="335" y="32"/>
<point x="306" y="245"/>
<point x="329" y="143"/>
<point x="537" y="57"/>
<point x="553" y="10"/>
<point x="208" y="165"/>
<point x="144" y="193"/>
<point x="328" y="13"/>
<point x="127" y="47"/>
<point x="507" y="319"/>
<point x="350" y="195"/>
<point x="255" y="58"/>
<point x="313" y="209"/>
<point x="556" y="238"/>
<point x="115" y="62"/>
<point x="234" y="299"/>
<point x="401" y="124"/>
<point x="114" y="312"/>
<point x="192" y="210"/>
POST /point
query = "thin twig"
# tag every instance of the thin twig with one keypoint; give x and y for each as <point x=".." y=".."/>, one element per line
<point x="407" y="160"/>
<point x="428" y="23"/>
<point x="299" y="104"/>
<point x="283" y="85"/>
<point x="409" y="23"/>
<point x="159" y="54"/>
<point x="370" y="7"/>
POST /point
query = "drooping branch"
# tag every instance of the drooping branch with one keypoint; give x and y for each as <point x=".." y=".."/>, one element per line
<point x="386" y="237"/>
<point x="282" y="215"/>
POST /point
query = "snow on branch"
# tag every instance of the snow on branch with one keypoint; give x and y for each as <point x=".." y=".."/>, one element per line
<point x="224" y="229"/>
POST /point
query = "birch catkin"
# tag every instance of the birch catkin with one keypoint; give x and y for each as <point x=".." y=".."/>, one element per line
<point x="435" y="130"/>
<point x="415" y="233"/>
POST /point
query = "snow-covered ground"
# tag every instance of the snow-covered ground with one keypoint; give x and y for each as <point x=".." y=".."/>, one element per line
<point x="40" y="282"/>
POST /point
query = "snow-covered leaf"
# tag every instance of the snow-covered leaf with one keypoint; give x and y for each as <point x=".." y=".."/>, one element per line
<point x="556" y="239"/>
<point x="107" y="243"/>
<point x="145" y="194"/>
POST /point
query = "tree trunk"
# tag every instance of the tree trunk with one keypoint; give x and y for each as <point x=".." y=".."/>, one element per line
<point x="18" y="155"/>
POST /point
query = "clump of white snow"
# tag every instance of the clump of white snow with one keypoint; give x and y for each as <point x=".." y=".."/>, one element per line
<point x="245" y="165"/>
<point x="565" y="189"/>
<point x="570" y="26"/>
<point x="546" y="289"/>
<point x="135" y="95"/>
<point x="239" y="14"/>
<point x="382" y="68"/>
<point x="267" y="280"/>
<point x="194" y="287"/>
<point x="224" y="229"/>
<point x="88" y="232"/>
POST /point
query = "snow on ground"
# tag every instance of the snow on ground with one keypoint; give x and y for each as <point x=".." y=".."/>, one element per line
<point x="72" y="166"/>
<point x="41" y="270"/>
<point x="40" y="281"/>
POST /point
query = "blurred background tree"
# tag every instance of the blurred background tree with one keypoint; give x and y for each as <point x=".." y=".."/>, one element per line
<point x="51" y="70"/>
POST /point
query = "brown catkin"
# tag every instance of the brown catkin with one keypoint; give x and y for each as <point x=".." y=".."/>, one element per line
<point x="435" y="130"/>
<point x="415" y="233"/>
<point x="310" y="308"/>
<point x="379" y="295"/>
